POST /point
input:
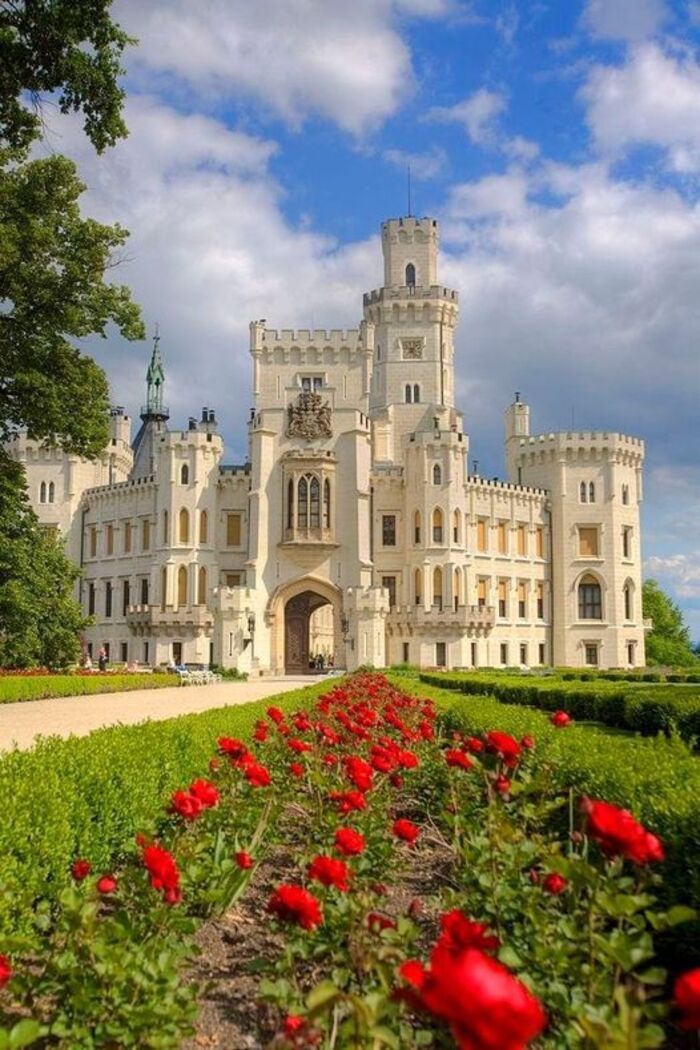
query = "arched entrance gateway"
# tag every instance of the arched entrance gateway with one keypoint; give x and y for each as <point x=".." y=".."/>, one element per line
<point x="306" y="623"/>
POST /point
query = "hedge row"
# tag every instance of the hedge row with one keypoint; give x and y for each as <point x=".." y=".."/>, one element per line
<point x="643" y="709"/>
<point x="42" y="687"/>
<point x="88" y="796"/>
<point x="658" y="779"/>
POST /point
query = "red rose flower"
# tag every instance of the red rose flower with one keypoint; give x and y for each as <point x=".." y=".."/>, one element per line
<point x="257" y="776"/>
<point x="261" y="731"/>
<point x="554" y="883"/>
<point x="243" y="860"/>
<point x="528" y="742"/>
<point x="297" y="769"/>
<point x="295" y="904"/>
<point x="299" y="745"/>
<point x="293" y="1024"/>
<point x="330" y="872"/>
<point x="5" y="970"/>
<point x="407" y="760"/>
<point x="349" y="842"/>
<point x="560" y="719"/>
<point x="275" y="715"/>
<point x="205" y="792"/>
<point x="185" y="805"/>
<point x="406" y="830"/>
<point x="455" y="757"/>
<point x="619" y="835"/>
<point x="686" y="998"/>
<point x="359" y="771"/>
<point x="473" y="744"/>
<point x="460" y="932"/>
<point x="502" y="785"/>
<point x="80" y="869"/>
<point x="106" y="884"/>
<point x="507" y="747"/>
<point x="163" y="872"/>
<point x="231" y="747"/>
<point x="485" y="1006"/>
<point x="348" y="800"/>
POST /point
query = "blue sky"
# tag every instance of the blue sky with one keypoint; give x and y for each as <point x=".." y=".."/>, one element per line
<point x="558" y="143"/>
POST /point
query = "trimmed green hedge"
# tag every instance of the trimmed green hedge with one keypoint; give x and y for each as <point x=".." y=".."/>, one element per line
<point x="45" y="686"/>
<point x="657" y="779"/>
<point x="89" y="796"/>
<point x="646" y="709"/>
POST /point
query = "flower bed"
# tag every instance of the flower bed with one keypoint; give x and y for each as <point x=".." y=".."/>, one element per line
<point x="42" y="686"/>
<point x="647" y="709"/>
<point x="526" y="936"/>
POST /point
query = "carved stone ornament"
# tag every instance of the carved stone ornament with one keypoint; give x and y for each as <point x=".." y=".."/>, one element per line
<point x="412" y="349"/>
<point x="309" y="417"/>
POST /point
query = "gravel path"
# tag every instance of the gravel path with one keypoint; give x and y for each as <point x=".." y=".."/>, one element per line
<point x="21" y="722"/>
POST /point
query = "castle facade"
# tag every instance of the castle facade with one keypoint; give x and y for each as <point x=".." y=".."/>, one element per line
<point x="354" y="531"/>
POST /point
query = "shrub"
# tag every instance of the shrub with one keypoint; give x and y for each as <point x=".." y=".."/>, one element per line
<point x="44" y="686"/>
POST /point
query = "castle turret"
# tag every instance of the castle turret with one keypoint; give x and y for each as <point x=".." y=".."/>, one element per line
<point x="154" y="415"/>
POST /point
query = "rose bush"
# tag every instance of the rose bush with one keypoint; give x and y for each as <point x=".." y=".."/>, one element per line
<point x="526" y="935"/>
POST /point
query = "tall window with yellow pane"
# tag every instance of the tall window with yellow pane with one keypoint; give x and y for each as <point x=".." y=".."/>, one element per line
<point x="481" y="535"/>
<point x="522" y="600"/>
<point x="588" y="541"/>
<point x="502" y="598"/>
<point x="233" y="530"/>
<point x="502" y="537"/>
<point x="481" y="593"/>
<point x="521" y="540"/>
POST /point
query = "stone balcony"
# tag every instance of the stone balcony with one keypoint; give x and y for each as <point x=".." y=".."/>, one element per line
<point x="316" y="536"/>
<point x="411" y="618"/>
<point x="155" y="616"/>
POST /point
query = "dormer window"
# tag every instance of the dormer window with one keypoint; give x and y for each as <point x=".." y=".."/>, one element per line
<point x="311" y="384"/>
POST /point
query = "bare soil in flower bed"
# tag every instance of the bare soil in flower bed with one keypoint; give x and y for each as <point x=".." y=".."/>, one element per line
<point x="234" y="948"/>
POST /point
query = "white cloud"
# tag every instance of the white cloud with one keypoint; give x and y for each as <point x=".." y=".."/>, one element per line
<point x="653" y="99"/>
<point x="681" y="571"/>
<point x="423" y="165"/>
<point x="631" y="20"/>
<point x="478" y="114"/>
<point x="295" y="58"/>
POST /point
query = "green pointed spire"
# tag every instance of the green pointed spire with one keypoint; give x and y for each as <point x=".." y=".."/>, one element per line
<point x="155" y="379"/>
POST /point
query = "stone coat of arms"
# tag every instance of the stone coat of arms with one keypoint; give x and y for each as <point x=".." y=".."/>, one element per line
<point x="309" y="417"/>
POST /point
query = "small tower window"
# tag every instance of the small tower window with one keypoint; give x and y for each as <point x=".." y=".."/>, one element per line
<point x="437" y="474"/>
<point x="184" y="526"/>
<point x="52" y="491"/>
<point x="416" y="527"/>
<point x="625" y="494"/>
<point x="591" y="492"/>
<point x="203" y="527"/>
<point x="411" y="275"/>
<point x="184" y="474"/>
<point x="408" y="396"/>
<point x="627" y="595"/>
<point x="417" y="585"/>
<point x="437" y="587"/>
<point x="584" y="492"/>
<point x="202" y="586"/>
<point x="437" y="525"/>
<point x="416" y="393"/>
<point x="303" y="504"/>
<point x="290" y="504"/>
<point x="42" y="487"/>
<point x="455" y="527"/>
<point x="314" y="502"/>
<point x="181" y="587"/>
<point x="326" y="504"/>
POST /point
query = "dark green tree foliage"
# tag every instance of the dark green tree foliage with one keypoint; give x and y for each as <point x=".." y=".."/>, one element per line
<point x="71" y="47"/>
<point x="52" y="292"/>
<point x="668" y="643"/>
<point x="39" y="619"/>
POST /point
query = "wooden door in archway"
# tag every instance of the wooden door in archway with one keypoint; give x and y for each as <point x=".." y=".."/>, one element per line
<point x="297" y="613"/>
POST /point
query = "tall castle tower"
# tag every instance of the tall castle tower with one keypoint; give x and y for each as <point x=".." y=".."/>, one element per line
<point x="414" y="320"/>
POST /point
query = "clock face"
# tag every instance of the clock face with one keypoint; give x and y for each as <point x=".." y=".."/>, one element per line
<point x="412" y="349"/>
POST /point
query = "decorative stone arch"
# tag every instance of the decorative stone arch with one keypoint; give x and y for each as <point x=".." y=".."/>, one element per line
<point x="600" y="580"/>
<point x="275" y="616"/>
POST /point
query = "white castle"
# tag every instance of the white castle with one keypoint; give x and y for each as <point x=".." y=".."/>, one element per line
<point x="354" y="530"/>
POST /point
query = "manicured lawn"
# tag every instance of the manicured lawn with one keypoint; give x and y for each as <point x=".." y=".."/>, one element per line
<point x="14" y="688"/>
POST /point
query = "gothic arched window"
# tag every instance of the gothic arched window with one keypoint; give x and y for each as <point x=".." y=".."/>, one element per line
<point x="417" y="585"/>
<point x="182" y="586"/>
<point x="437" y="586"/>
<point x="411" y="275"/>
<point x="42" y="489"/>
<point x="591" y="493"/>
<point x="163" y="588"/>
<point x="456" y="588"/>
<point x="184" y="474"/>
<point x="437" y="474"/>
<point x="628" y="596"/>
<point x="183" y="526"/>
<point x="590" y="599"/>
<point x="416" y="527"/>
<point x="326" y="504"/>
<point x="455" y="527"/>
<point x="583" y="492"/>
<point x="290" y="504"/>
<point x="437" y="525"/>
<point x="203" y="527"/>
<point x="416" y="393"/>
<point x="408" y="396"/>
<point x="314" y="503"/>
<point x="303" y="504"/>
<point x="202" y="586"/>
<point x="52" y="491"/>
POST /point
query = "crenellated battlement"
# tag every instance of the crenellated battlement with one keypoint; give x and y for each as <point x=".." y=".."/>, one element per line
<point x="409" y="293"/>
<point x="262" y="338"/>
<point x="409" y="228"/>
<point x="495" y="485"/>
<point x="580" y="443"/>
